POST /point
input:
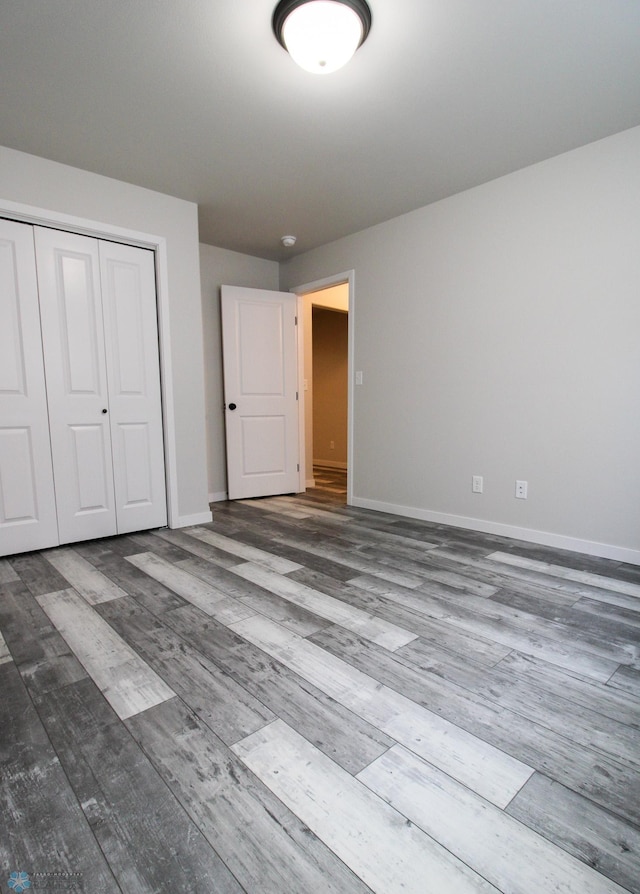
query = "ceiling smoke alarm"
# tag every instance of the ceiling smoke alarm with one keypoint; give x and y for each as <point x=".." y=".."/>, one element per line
<point x="288" y="241"/>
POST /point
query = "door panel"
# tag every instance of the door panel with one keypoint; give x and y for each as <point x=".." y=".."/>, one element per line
<point x="261" y="358"/>
<point x="134" y="446"/>
<point x="90" y="469"/>
<point x="19" y="503"/>
<point x="73" y="340"/>
<point x="79" y="324"/>
<point x="260" y="379"/>
<point x="133" y="371"/>
<point x="27" y="500"/>
<point x="264" y="444"/>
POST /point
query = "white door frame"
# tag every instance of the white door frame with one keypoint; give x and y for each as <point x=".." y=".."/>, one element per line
<point x="302" y="291"/>
<point x="85" y="227"/>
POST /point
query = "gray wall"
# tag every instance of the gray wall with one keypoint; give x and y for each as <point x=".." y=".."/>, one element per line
<point x="29" y="180"/>
<point x="218" y="267"/>
<point x="499" y="335"/>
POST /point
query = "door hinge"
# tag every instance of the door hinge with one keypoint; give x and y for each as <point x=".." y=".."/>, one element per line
<point x="296" y="319"/>
<point x="296" y="395"/>
<point x="298" y="467"/>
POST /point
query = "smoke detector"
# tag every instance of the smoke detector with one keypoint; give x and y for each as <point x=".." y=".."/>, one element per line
<point x="288" y="241"/>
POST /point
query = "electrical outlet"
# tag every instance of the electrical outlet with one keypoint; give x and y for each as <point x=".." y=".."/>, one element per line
<point x="521" y="490"/>
<point x="477" y="484"/>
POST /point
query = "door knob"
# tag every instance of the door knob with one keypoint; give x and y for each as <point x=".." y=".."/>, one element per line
<point x="232" y="406"/>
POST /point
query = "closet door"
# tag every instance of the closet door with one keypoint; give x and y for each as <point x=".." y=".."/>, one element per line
<point x="133" y="372"/>
<point x="74" y="353"/>
<point x="27" y="501"/>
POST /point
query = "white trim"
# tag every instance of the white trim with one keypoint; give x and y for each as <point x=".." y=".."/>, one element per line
<point x="166" y="382"/>
<point x="45" y="217"/>
<point x="218" y="497"/>
<point x="84" y="226"/>
<point x="559" y="541"/>
<point x="349" y="277"/>
<point x="302" y="438"/>
<point x="200" y="518"/>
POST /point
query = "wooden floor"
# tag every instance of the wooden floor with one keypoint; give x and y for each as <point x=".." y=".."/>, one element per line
<point x="303" y="697"/>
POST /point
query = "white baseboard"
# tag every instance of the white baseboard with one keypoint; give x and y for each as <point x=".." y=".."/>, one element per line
<point x="219" y="497"/>
<point x="329" y="464"/>
<point x="200" y="518"/>
<point x="559" y="541"/>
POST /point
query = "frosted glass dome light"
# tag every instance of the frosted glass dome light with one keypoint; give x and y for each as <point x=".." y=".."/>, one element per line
<point x="321" y="35"/>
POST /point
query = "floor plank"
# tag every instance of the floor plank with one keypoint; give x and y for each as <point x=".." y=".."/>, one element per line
<point x="92" y="584"/>
<point x="343" y="736"/>
<point x="44" y="658"/>
<point x="127" y="682"/>
<point x="375" y="841"/>
<point x="228" y="709"/>
<point x="257" y="599"/>
<point x="266" y="847"/>
<point x="599" y="839"/>
<point x="209" y="599"/>
<point x="5" y="654"/>
<point x="244" y="552"/>
<point x="487" y="770"/>
<point x="607" y="584"/>
<point x="498" y="623"/>
<point x="44" y="827"/>
<point x="491" y="842"/>
<point x="379" y="631"/>
<point x="149" y="841"/>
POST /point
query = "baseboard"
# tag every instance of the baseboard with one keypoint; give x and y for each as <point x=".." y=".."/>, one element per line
<point x="329" y="464"/>
<point x="219" y="497"/>
<point x="200" y="518"/>
<point x="310" y="482"/>
<point x="559" y="541"/>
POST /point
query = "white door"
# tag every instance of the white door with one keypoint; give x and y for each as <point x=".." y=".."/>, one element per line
<point x="259" y="342"/>
<point x="74" y="352"/>
<point x="27" y="501"/>
<point x="133" y="373"/>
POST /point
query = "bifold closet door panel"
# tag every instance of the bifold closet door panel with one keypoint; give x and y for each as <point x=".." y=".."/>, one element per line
<point x="75" y="368"/>
<point x="27" y="501"/>
<point x="133" y="372"/>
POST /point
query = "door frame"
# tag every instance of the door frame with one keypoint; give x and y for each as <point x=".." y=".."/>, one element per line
<point x="302" y="291"/>
<point x="35" y="216"/>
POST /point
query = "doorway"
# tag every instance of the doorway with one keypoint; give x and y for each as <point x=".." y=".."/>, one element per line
<point x="326" y="326"/>
<point x="330" y="382"/>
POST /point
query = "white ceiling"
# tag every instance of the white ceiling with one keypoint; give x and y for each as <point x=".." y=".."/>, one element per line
<point x="195" y="98"/>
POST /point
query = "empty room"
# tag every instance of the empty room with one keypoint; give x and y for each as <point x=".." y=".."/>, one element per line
<point x="319" y="440"/>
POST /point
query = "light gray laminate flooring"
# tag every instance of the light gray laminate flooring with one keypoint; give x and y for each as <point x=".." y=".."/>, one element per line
<point x="304" y="697"/>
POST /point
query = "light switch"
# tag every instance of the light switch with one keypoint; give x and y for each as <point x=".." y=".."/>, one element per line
<point x="359" y="378"/>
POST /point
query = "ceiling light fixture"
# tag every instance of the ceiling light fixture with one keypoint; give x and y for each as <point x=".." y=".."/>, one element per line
<point x="321" y="35"/>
